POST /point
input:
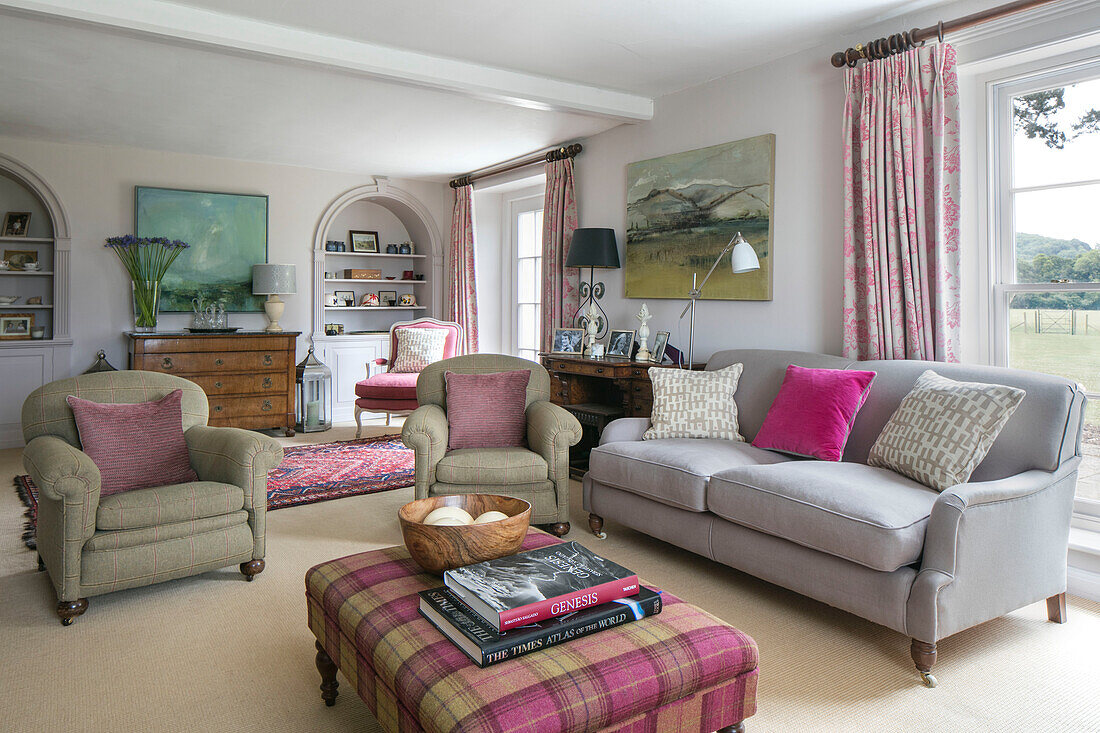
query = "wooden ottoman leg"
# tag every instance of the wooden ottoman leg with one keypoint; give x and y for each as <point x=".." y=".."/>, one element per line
<point x="1056" y="608"/>
<point x="738" y="727"/>
<point x="924" y="656"/>
<point x="595" y="523"/>
<point x="327" y="668"/>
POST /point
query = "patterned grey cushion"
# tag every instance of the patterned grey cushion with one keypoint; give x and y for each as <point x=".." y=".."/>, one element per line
<point x="689" y="404"/>
<point x="418" y="347"/>
<point x="942" y="429"/>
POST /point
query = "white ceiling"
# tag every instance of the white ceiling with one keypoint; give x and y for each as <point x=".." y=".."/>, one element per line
<point x="455" y="105"/>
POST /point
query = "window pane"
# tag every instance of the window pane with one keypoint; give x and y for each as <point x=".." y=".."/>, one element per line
<point x="527" y="280"/>
<point x="529" y="234"/>
<point x="527" y="331"/>
<point x="529" y="354"/>
<point x="1059" y="333"/>
<point x="1054" y="135"/>
<point x="1057" y="233"/>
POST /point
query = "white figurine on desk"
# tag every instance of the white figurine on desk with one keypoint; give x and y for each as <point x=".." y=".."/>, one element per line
<point x="591" y="327"/>
<point x="643" y="333"/>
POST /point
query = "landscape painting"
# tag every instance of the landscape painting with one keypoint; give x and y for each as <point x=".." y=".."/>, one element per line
<point x="683" y="209"/>
<point x="227" y="233"/>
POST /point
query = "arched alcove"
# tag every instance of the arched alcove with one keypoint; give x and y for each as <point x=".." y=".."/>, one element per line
<point x="42" y="294"/>
<point x="348" y="355"/>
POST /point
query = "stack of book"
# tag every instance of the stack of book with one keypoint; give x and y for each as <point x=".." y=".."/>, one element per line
<point x="514" y="605"/>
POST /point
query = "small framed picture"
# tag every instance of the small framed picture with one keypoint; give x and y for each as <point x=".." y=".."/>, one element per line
<point x="334" y="329"/>
<point x="387" y="297"/>
<point x="568" y="341"/>
<point x="19" y="259"/>
<point x="620" y="343"/>
<point x="345" y="297"/>
<point x="16" y="224"/>
<point x="660" y="343"/>
<point x="16" y="325"/>
<point x="363" y="241"/>
<point x="596" y="352"/>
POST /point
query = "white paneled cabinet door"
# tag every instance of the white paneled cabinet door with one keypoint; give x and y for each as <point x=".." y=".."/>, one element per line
<point x="23" y="369"/>
<point x="350" y="357"/>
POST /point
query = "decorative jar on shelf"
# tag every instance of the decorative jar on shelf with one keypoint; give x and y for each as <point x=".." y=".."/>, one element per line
<point x="391" y="249"/>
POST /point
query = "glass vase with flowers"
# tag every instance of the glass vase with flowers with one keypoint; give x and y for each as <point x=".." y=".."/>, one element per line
<point x="146" y="260"/>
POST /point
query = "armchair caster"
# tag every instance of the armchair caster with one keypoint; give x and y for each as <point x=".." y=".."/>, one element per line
<point x="595" y="523"/>
<point x="69" y="610"/>
<point x="559" y="529"/>
<point x="924" y="656"/>
<point x="251" y="569"/>
<point x="735" y="728"/>
<point x="289" y="432"/>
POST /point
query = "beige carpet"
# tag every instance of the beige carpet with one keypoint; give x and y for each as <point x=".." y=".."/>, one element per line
<point x="213" y="653"/>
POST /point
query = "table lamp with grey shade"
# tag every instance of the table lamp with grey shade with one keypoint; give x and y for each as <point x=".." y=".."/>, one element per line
<point x="592" y="247"/>
<point x="273" y="281"/>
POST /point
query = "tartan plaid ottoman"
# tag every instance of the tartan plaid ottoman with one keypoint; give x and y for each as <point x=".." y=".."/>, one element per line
<point x="682" y="670"/>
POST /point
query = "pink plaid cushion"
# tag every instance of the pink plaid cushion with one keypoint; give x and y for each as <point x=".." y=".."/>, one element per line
<point x="135" y="446"/>
<point x="487" y="410"/>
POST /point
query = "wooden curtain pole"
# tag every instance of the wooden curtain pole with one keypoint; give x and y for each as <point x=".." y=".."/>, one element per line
<point x="561" y="153"/>
<point x="906" y="40"/>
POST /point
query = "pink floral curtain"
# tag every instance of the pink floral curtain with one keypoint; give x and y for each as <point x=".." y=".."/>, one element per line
<point x="560" y="298"/>
<point x="461" y="284"/>
<point x="901" y="197"/>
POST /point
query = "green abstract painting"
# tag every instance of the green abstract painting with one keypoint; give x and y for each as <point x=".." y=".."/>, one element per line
<point x="227" y="233"/>
<point x="682" y="210"/>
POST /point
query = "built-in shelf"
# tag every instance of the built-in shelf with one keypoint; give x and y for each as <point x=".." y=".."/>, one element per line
<point x="384" y="282"/>
<point x="28" y="240"/>
<point x="25" y="307"/>
<point x="374" y="254"/>
<point x="376" y="307"/>
<point x="26" y="272"/>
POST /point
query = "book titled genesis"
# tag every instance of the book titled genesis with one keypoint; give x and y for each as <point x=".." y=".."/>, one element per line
<point x="485" y="645"/>
<point x="539" y="584"/>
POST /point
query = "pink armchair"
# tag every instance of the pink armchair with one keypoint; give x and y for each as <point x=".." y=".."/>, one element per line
<point x="394" y="393"/>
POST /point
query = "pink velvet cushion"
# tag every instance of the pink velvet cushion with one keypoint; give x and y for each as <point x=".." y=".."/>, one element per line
<point x="135" y="446"/>
<point x="813" y="413"/>
<point x="487" y="410"/>
<point x="388" y="386"/>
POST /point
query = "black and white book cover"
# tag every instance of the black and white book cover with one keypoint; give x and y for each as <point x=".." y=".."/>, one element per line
<point x="541" y="583"/>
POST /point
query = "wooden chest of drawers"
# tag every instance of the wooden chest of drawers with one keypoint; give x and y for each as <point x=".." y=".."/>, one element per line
<point x="247" y="376"/>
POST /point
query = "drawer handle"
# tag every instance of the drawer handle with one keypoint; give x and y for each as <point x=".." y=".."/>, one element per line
<point x="218" y="385"/>
<point x="266" y="406"/>
<point x="267" y="360"/>
<point x="267" y="383"/>
<point x="637" y="389"/>
<point x="217" y="408"/>
<point x="166" y="363"/>
<point x="599" y="370"/>
<point x="218" y="362"/>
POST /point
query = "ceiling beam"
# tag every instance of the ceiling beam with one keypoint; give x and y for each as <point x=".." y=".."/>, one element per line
<point x="180" y="23"/>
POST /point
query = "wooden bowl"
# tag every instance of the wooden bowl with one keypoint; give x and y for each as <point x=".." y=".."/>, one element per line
<point x="439" y="548"/>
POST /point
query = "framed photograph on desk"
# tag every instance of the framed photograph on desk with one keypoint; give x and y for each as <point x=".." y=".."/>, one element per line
<point x="568" y="341"/>
<point x="660" y="343"/>
<point x="620" y="343"/>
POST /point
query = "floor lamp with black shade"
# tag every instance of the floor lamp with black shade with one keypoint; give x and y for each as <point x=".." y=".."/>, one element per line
<point x="592" y="247"/>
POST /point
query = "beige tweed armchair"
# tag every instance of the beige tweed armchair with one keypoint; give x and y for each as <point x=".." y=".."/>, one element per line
<point x="91" y="546"/>
<point x="538" y="473"/>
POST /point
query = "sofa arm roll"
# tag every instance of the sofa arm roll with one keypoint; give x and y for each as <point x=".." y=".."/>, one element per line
<point x="425" y="431"/>
<point x="61" y="471"/>
<point x="625" y="429"/>
<point x="234" y="456"/>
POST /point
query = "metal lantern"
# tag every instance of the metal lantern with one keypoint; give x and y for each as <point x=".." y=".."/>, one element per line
<point x="314" y="385"/>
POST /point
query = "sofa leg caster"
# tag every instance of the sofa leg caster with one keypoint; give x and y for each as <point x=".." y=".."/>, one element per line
<point x="252" y="568"/>
<point x="595" y="523"/>
<point x="289" y="432"/>
<point x="924" y="656"/>
<point x="69" y="610"/>
<point x="559" y="529"/>
<point x="1056" y="608"/>
<point x="738" y="727"/>
<point x="327" y="668"/>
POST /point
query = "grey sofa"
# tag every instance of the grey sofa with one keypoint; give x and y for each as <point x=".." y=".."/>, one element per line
<point x="861" y="538"/>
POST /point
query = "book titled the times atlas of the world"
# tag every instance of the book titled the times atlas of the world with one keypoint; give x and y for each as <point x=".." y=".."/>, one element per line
<point x="539" y="584"/>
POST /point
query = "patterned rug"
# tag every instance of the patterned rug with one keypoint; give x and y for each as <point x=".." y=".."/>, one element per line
<point x="308" y="474"/>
